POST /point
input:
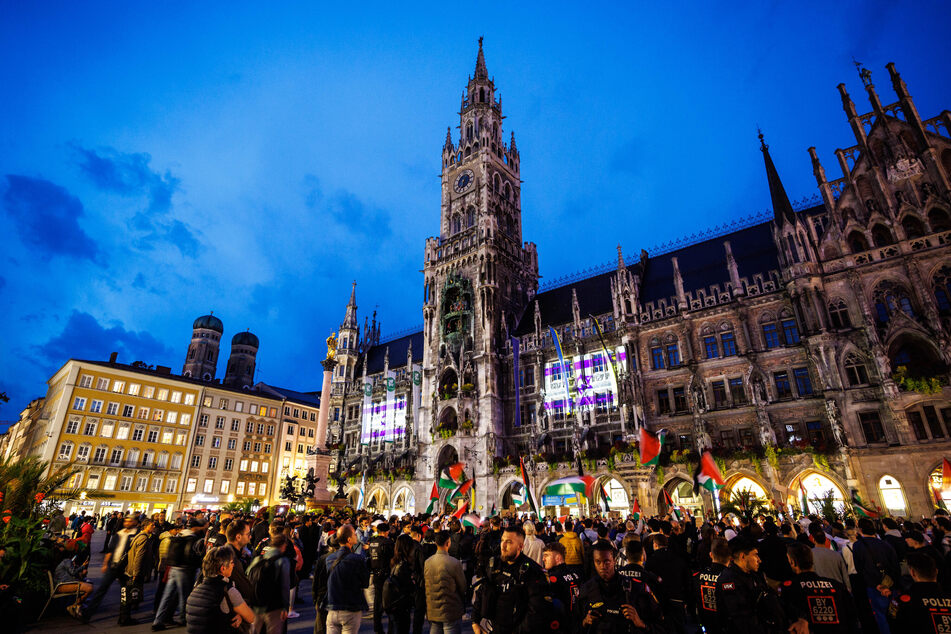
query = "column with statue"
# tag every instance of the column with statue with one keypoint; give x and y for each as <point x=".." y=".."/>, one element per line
<point x="320" y="457"/>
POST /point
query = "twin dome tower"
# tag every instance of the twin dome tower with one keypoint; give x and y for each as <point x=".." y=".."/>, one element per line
<point x="201" y="362"/>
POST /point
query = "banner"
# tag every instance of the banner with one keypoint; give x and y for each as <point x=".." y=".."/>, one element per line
<point x="593" y="379"/>
<point x="365" y="413"/>
<point x="564" y="370"/>
<point x="518" y="382"/>
<point x="417" y="369"/>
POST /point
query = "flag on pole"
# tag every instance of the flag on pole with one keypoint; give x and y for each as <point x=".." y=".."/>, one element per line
<point x="461" y="511"/>
<point x="433" y="498"/>
<point x="565" y="368"/>
<point x="650" y="446"/>
<point x="609" y="358"/>
<point x="945" y="475"/>
<point x="471" y="519"/>
<point x="452" y="476"/>
<point x="707" y="475"/>
<point x="938" y="499"/>
<point x="528" y="488"/>
<point x="804" y="500"/>
<point x="493" y="511"/>
<point x="461" y="490"/>
<point x="363" y="482"/>
<point x="636" y="510"/>
<point x="518" y="494"/>
<point x="860" y="508"/>
<point x="605" y="498"/>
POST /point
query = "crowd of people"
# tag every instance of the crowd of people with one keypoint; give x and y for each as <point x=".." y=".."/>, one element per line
<point x="224" y="572"/>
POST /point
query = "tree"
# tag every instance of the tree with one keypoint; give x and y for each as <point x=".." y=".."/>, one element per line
<point x="745" y="503"/>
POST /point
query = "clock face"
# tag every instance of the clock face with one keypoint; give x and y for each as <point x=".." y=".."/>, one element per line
<point x="464" y="181"/>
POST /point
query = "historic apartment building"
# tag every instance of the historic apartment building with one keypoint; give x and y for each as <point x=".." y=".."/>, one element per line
<point x="807" y="347"/>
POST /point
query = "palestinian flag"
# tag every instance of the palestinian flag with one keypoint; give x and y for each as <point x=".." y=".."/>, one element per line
<point x="518" y="494"/>
<point x="528" y="488"/>
<point x="804" y="499"/>
<point x="461" y="490"/>
<point x="471" y="519"/>
<point x="572" y="485"/>
<point x="433" y="499"/>
<point x="452" y="476"/>
<point x="493" y="511"/>
<point x="650" y="446"/>
<point x="707" y="475"/>
<point x="668" y="501"/>
<point x="636" y="510"/>
<point x="938" y="499"/>
<point x="605" y="498"/>
<point x="861" y="509"/>
<point x="945" y="475"/>
<point x="461" y="511"/>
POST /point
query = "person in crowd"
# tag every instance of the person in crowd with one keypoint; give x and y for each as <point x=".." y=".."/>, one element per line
<point x="671" y="570"/>
<point x="565" y="582"/>
<point x="69" y="575"/>
<point x="533" y="545"/>
<point x="238" y="534"/>
<point x="827" y="562"/>
<point x="877" y="564"/>
<point x="813" y="603"/>
<point x="611" y="604"/>
<point x="574" y="551"/>
<point x="445" y="588"/>
<point x="705" y="585"/>
<point x="165" y="539"/>
<point x="745" y="602"/>
<point x="216" y="605"/>
<point x="113" y="568"/>
<point x="319" y="587"/>
<point x="926" y="607"/>
<point x="401" y="598"/>
<point x="347" y="577"/>
<point x="379" y="552"/>
<point x="184" y="557"/>
<point x="270" y="578"/>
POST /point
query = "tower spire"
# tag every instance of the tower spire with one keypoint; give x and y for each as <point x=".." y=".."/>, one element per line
<point x="350" y="319"/>
<point x="480" y="70"/>
<point x="782" y="209"/>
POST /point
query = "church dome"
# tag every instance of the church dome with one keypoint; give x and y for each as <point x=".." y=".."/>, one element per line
<point x="210" y="322"/>
<point x="245" y="339"/>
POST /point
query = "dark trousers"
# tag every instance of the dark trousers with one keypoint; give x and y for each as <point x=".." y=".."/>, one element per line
<point x="92" y="603"/>
<point x="130" y="595"/>
<point x="320" y="623"/>
<point x="419" y="613"/>
<point x="378" y="580"/>
<point x="401" y="621"/>
<point x="105" y="543"/>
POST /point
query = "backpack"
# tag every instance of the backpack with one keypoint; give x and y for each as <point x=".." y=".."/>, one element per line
<point x="396" y="596"/>
<point x="179" y="550"/>
<point x="262" y="577"/>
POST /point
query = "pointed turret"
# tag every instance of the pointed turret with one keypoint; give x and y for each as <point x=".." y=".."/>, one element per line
<point x="350" y="318"/>
<point x="620" y="258"/>
<point x="480" y="70"/>
<point x="448" y="143"/>
<point x="782" y="209"/>
<point x="512" y="147"/>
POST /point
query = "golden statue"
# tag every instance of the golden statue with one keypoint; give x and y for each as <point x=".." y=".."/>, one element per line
<point x="332" y="346"/>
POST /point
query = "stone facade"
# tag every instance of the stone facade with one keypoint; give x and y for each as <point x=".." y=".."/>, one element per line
<point x="808" y="348"/>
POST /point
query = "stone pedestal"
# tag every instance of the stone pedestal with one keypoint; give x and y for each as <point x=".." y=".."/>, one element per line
<point x="323" y="496"/>
<point x="321" y="461"/>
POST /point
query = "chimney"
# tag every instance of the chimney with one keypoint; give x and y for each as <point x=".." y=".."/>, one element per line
<point x="163" y="369"/>
<point x="113" y="357"/>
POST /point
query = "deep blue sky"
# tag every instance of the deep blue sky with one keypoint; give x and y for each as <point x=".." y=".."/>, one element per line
<point x="161" y="161"/>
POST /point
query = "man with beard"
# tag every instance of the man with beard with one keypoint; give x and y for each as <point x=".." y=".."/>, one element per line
<point x="611" y="604"/>
<point x="565" y="582"/>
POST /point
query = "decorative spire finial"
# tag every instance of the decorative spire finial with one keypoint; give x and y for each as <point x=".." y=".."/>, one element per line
<point x="762" y="142"/>
<point x="480" y="70"/>
<point x="864" y="73"/>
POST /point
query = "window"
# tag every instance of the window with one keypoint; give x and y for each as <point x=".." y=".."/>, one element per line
<point x="162" y="394"/>
<point x="116" y="456"/>
<point x="264" y="466"/>
<point x="92" y="482"/>
<point x="134" y="389"/>
<point x="251" y="487"/>
<point x="95" y="407"/>
<point x="102" y="384"/>
<point x="249" y="428"/>
<point x="110" y="483"/>
<point x="246" y="445"/>
<point x="296" y="412"/>
<point x="287" y="411"/>
<point x="85" y="381"/>
<point x="257" y="447"/>
<point x="719" y="394"/>
<point x="118" y="386"/>
<point x="232" y="443"/>
<point x="149" y="391"/>
<point x="189" y="399"/>
<point x="123" y="432"/>
<point x="65" y="451"/>
<point x="737" y="391"/>
<point x="216" y="442"/>
<point x="141" y="483"/>
<point x="229" y="464"/>
<point x="770" y="336"/>
<point x="177" y="397"/>
<point x="254" y="466"/>
<point x="107" y="428"/>
<point x="290" y="430"/>
<point x="138" y="433"/>
<point x="170" y="485"/>
<point x="934" y="425"/>
<point x="128" y="411"/>
<point x="213" y="462"/>
<point x="144" y="413"/>
<point x="148" y="458"/>
<point x="220" y="422"/>
<point x="225" y="487"/>
<point x="186" y="419"/>
<point x="79" y="403"/>
<point x="855" y="371"/>
<point x="125" y="483"/>
<point x="180" y="439"/>
<point x="680" y="399"/>
<point x="196" y="462"/>
<point x="803" y="382"/>
<point x="657" y="358"/>
<point x="300" y="448"/>
<point x="839" y="315"/>
<point x="240" y="488"/>
<point x="82" y="453"/>
<point x="177" y="461"/>
<point x="235" y="425"/>
<point x="781" y="379"/>
<point x="100" y="456"/>
<point x="223" y="403"/>
<point x="72" y="427"/>
<point x="112" y="409"/>
<point x="200" y="440"/>
<point x="710" y="346"/>
<point x="673" y="355"/>
<point x="790" y="331"/>
<point x="162" y="462"/>
<point x="872" y="427"/>
<point x="153" y="434"/>
<point x="203" y="420"/>
<point x="171" y="417"/>
<point x="262" y="488"/>
<point x="156" y="485"/>
<point x="90" y="428"/>
<point x="243" y="466"/>
<point x="267" y="447"/>
<point x="261" y="428"/>
<point x="238" y="406"/>
<point x="190" y="485"/>
<point x="289" y="447"/>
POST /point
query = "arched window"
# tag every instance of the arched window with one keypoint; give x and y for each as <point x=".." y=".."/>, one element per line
<point x="857" y="242"/>
<point x="456" y="224"/>
<point x="839" y="314"/>
<point x="856" y="372"/>
<point x="881" y="236"/>
<point x="893" y="499"/>
<point x="938" y="219"/>
<point x="942" y="289"/>
<point x="65" y="451"/>
<point x="470" y="217"/>
<point x="913" y="227"/>
<point x="162" y="462"/>
<point x="468" y="132"/>
<point x="82" y="453"/>
<point x="891" y="298"/>
<point x="148" y="458"/>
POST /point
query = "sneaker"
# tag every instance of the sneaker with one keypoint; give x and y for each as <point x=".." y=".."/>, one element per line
<point x="292" y="614"/>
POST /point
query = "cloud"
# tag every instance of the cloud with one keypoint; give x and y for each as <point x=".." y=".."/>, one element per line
<point x="131" y="175"/>
<point x="85" y="338"/>
<point x="47" y="218"/>
<point x="348" y="210"/>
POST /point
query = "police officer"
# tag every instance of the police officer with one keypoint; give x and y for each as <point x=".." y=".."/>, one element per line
<point x="514" y="596"/>
<point x="814" y="603"/>
<point x="705" y="585"/>
<point x="634" y="570"/>
<point x="379" y="551"/>
<point x="612" y="604"/>
<point x="926" y="607"/>
<point x="565" y="582"/>
<point x="745" y="604"/>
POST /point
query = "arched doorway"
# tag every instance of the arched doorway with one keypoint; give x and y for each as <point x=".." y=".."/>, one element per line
<point x="514" y="495"/>
<point x="404" y="501"/>
<point x="682" y="495"/>
<point x="893" y="497"/>
<point x="917" y="356"/>
<point x="353" y="497"/>
<point x="618" y="499"/>
<point x="821" y="491"/>
<point x="377" y="501"/>
<point x="745" y="483"/>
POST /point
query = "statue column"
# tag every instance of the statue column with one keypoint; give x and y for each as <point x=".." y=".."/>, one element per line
<point x="324" y="413"/>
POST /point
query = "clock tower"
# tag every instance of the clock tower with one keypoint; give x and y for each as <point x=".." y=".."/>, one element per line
<point x="479" y="276"/>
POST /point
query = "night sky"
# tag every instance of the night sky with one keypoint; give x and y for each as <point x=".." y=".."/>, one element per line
<point x="162" y="161"/>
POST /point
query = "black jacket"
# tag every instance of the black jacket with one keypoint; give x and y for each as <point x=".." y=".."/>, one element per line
<point x="875" y="560"/>
<point x="606" y="598"/>
<point x="672" y="572"/>
<point x="515" y="597"/>
<point x="746" y="605"/>
<point x="704" y="596"/>
<point x="825" y="604"/>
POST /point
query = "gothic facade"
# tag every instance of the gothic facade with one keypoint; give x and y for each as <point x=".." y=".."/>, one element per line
<point x="809" y="349"/>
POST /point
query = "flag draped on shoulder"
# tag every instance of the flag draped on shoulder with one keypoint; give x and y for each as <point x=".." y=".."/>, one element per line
<point x="707" y="475"/>
<point x="433" y="499"/>
<point x="650" y="446"/>
<point x="528" y="488"/>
